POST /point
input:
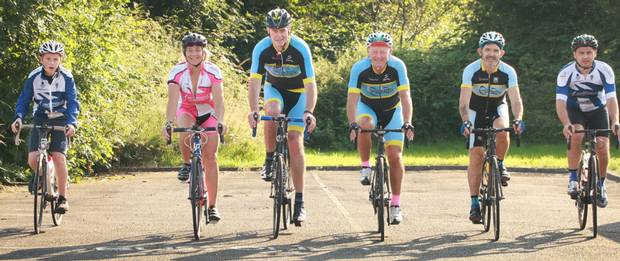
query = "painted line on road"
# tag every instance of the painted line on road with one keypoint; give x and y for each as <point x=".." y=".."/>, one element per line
<point x="337" y="203"/>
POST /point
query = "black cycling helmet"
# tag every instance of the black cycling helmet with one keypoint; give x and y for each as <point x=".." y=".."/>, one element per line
<point x="191" y="39"/>
<point x="278" y="18"/>
<point x="584" y="40"/>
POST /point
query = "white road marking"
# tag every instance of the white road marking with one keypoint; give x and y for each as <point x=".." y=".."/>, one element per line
<point x="337" y="203"/>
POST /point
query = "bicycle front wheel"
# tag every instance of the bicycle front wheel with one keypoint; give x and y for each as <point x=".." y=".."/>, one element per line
<point x="582" y="198"/>
<point x="196" y="197"/>
<point x="278" y="198"/>
<point x="496" y="197"/>
<point x="39" y="199"/>
<point x="594" y="172"/>
<point x="379" y="196"/>
<point x="485" y="201"/>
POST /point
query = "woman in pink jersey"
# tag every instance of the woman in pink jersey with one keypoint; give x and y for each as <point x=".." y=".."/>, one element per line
<point x="195" y="96"/>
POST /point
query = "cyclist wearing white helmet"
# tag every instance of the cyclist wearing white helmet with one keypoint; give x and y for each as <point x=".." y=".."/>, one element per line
<point x="196" y="96"/>
<point x="52" y="90"/>
<point x="586" y="98"/>
<point x="285" y="62"/>
<point x="482" y="104"/>
<point x="378" y="95"/>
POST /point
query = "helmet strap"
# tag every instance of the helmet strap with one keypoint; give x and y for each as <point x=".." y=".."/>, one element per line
<point x="581" y="67"/>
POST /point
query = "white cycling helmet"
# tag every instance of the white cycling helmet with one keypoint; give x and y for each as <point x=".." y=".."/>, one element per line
<point x="52" y="47"/>
<point x="380" y="38"/>
<point x="492" y="37"/>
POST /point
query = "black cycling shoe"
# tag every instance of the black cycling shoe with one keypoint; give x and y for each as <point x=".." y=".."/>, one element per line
<point x="475" y="216"/>
<point x="213" y="215"/>
<point x="183" y="174"/>
<point x="266" y="172"/>
<point x="63" y="205"/>
<point x="299" y="214"/>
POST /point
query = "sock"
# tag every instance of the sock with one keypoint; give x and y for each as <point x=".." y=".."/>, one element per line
<point x="475" y="203"/>
<point x="572" y="175"/>
<point x="601" y="182"/>
<point x="366" y="164"/>
<point x="269" y="156"/>
<point x="299" y="197"/>
<point x="500" y="163"/>
<point x="395" y="200"/>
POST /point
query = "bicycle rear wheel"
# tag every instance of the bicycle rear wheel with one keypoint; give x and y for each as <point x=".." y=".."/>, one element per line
<point x="496" y="197"/>
<point x="581" y="200"/>
<point x="56" y="217"/>
<point x="380" y="197"/>
<point x="594" y="172"/>
<point x="196" y="197"/>
<point x="278" y="198"/>
<point x="485" y="201"/>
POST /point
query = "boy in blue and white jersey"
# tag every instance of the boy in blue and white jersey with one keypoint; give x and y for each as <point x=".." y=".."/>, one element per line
<point x="52" y="90"/>
<point x="586" y="98"/>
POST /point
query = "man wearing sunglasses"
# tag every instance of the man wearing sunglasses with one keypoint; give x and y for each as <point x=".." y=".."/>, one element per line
<point x="286" y="63"/>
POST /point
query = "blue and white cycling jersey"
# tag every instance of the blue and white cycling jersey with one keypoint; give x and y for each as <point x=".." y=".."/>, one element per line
<point x="57" y="92"/>
<point x="587" y="92"/>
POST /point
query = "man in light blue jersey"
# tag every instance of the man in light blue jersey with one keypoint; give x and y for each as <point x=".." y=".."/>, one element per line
<point x="285" y="61"/>
<point x="379" y="95"/>
<point x="482" y="104"/>
<point x="586" y="98"/>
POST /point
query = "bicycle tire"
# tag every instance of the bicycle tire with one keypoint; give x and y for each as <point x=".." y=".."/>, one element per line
<point x="581" y="200"/>
<point x="379" y="179"/>
<point x="38" y="197"/>
<point x="279" y="193"/>
<point x="496" y="199"/>
<point x="485" y="206"/>
<point x="56" y="217"/>
<point x="594" y="194"/>
<point x="286" y="201"/>
<point x="196" y="199"/>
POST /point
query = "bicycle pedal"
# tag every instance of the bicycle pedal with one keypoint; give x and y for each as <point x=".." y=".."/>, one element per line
<point x="297" y="223"/>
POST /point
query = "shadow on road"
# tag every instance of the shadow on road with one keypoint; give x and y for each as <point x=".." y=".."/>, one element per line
<point x="251" y="244"/>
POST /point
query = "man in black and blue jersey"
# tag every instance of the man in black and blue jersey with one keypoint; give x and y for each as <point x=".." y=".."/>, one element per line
<point x="285" y="61"/>
<point x="482" y="104"/>
<point x="378" y="95"/>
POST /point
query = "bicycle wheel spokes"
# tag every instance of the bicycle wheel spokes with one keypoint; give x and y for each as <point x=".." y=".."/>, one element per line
<point x="485" y="204"/>
<point x="594" y="172"/>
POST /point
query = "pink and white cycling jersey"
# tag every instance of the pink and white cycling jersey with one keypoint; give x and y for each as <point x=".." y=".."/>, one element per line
<point x="202" y="102"/>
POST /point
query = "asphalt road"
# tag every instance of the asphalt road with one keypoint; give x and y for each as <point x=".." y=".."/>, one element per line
<point x="147" y="216"/>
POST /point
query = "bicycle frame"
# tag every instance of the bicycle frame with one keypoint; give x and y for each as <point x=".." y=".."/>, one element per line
<point x="41" y="176"/>
<point x="281" y="187"/>
<point x="197" y="193"/>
